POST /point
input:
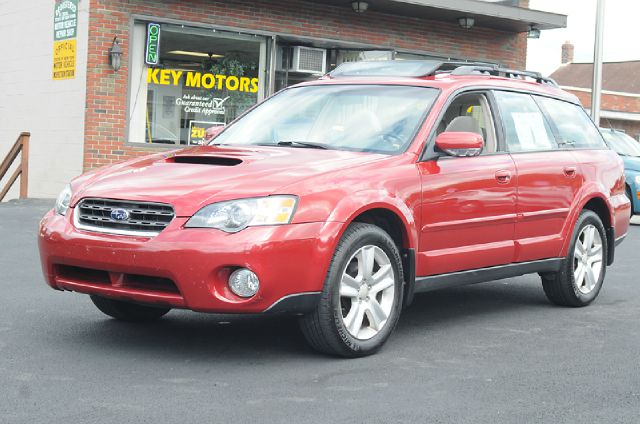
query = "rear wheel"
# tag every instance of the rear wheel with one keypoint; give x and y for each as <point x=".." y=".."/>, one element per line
<point x="580" y="279"/>
<point x="362" y="296"/>
<point x="126" y="311"/>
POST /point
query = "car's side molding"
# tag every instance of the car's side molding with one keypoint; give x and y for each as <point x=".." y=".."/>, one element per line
<point x="481" y="275"/>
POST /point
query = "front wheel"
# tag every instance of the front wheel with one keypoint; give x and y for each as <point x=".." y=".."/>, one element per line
<point x="580" y="279"/>
<point x="126" y="311"/>
<point x="362" y="296"/>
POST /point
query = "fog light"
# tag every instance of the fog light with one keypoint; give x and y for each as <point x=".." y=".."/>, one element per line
<point x="244" y="282"/>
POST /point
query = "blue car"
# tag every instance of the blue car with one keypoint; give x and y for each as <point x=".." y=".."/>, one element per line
<point x="629" y="150"/>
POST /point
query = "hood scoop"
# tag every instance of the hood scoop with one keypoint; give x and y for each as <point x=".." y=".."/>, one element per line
<point x="206" y="160"/>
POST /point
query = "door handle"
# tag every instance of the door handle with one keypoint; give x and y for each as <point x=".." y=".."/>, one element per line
<point x="503" y="176"/>
<point x="570" y="171"/>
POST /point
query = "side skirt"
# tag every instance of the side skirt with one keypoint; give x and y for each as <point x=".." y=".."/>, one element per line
<point x="481" y="275"/>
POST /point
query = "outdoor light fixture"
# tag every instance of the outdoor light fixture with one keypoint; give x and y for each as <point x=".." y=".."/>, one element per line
<point x="466" y="22"/>
<point x="533" y="32"/>
<point x="360" y="6"/>
<point x="115" y="54"/>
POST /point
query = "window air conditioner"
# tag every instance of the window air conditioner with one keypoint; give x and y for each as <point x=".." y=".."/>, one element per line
<point x="308" y="60"/>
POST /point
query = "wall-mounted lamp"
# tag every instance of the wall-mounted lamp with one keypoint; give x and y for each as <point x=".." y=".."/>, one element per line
<point x="359" y="6"/>
<point x="115" y="54"/>
<point x="466" y="22"/>
<point x="533" y="32"/>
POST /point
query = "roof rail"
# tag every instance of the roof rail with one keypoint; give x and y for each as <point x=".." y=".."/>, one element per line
<point x="426" y="68"/>
<point x="497" y="71"/>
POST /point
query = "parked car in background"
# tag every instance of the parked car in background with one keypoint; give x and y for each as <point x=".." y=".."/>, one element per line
<point x="629" y="150"/>
<point x="339" y="199"/>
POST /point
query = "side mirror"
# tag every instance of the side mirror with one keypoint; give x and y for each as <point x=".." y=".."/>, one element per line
<point x="461" y="144"/>
<point x="212" y="132"/>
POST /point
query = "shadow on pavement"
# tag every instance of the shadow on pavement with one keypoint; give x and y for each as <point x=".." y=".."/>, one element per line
<point x="183" y="334"/>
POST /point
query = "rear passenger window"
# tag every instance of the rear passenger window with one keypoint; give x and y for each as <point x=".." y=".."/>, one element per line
<point x="526" y="129"/>
<point x="574" y="126"/>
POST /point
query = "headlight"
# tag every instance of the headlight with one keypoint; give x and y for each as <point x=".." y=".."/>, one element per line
<point x="63" y="200"/>
<point x="638" y="179"/>
<point x="236" y="215"/>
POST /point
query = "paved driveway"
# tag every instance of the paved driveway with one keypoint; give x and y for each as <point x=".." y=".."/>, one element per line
<point x="490" y="353"/>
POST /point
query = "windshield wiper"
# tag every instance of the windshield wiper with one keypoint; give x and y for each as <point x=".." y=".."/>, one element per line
<point x="304" y="144"/>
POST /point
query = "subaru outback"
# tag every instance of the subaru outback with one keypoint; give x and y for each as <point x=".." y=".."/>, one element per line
<point x="338" y="200"/>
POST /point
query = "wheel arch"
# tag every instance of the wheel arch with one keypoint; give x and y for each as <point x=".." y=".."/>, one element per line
<point x="598" y="204"/>
<point x="402" y="229"/>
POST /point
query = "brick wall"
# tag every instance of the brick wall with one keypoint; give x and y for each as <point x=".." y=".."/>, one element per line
<point x="611" y="102"/>
<point x="615" y="103"/>
<point x="105" y="123"/>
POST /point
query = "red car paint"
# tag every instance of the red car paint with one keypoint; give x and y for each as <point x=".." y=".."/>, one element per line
<point x="458" y="214"/>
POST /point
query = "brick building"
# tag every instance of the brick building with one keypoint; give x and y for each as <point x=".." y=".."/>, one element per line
<point x="620" y="104"/>
<point x="188" y="65"/>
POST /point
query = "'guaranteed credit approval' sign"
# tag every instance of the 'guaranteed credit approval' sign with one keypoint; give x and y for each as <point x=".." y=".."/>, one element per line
<point x="65" y="25"/>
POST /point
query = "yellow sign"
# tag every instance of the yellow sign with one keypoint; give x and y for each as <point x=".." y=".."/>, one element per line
<point x="198" y="131"/>
<point x="64" y="59"/>
<point x="201" y="79"/>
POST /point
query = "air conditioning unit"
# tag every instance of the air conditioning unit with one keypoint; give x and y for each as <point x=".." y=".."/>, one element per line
<point x="308" y="60"/>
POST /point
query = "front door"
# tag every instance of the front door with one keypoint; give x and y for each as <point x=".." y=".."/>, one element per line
<point x="468" y="203"/>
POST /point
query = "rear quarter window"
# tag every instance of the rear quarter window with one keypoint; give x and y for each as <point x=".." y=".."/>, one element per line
<point x="574" y="127"/>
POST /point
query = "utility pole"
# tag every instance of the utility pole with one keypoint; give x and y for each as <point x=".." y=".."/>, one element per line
<point x="596" y="90"/>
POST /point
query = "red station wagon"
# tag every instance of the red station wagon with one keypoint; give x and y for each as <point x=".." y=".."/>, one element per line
<point x="339" y="199"/>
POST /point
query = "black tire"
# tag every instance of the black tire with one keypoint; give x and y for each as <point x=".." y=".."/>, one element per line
<point x="560" y="287"/>
<point x="324" y="328"/>
<point x="126" y="311"/>
<point x="628" y="193"/>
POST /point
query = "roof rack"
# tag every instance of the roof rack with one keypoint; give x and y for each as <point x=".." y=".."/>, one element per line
<point x="497" y="71"/>
<point x="426" y="68"/>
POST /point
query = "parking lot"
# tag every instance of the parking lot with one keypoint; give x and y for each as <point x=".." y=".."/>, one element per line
<point x="493" y="352"/>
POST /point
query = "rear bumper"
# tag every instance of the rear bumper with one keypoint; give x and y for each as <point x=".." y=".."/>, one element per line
<point x="189" y="268"/>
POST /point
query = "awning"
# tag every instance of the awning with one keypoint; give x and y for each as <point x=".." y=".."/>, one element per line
<point x="486" y="14"/>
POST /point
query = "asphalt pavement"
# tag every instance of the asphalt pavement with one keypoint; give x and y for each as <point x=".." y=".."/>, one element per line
<point x="490" y="353"/>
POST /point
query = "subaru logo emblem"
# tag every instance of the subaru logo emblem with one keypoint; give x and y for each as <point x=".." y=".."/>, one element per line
<point x="120" y="214"/>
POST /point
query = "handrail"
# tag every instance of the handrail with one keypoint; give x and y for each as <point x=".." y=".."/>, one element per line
<point x="22" y="171"/>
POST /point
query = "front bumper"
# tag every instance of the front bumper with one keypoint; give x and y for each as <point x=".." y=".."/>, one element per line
<point x="189" y="268"/>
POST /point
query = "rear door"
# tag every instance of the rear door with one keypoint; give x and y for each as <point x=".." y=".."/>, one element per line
<point x="548" y="176"/>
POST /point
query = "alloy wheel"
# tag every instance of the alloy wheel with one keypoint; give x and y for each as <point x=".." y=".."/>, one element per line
<point x="367" y="291"/>
<point x="587" y="259"/>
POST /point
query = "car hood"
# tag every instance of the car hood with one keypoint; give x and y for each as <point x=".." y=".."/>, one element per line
<point x="192" y="178"/>
<point x="631" y="163"/>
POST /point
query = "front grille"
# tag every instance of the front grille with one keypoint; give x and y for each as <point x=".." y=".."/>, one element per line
<point x="138" y="218"/>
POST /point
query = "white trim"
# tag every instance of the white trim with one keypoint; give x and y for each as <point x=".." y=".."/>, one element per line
<point x="588" y="90"/>
<point x="621" y="116"/>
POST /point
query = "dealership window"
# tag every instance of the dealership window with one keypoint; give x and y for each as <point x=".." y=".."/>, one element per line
<point x="202" y="78"/>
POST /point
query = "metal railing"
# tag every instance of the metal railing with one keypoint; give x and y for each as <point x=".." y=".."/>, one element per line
<point x="20" y="146"/>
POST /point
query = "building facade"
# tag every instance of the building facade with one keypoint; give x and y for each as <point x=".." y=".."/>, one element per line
<point x="189" y="65"/>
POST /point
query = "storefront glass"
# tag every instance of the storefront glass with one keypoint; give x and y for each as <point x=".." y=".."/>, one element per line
<point x="202" y="78"/>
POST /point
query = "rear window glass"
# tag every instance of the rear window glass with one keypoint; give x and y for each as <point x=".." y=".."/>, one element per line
<point x="575" y="128"/>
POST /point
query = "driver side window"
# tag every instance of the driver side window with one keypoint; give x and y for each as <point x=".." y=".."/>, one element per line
<point x="475" y="108"/>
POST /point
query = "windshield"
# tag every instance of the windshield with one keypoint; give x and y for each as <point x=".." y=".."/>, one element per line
<point x="366" y="118"/>
<point x="622" y="144"/>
